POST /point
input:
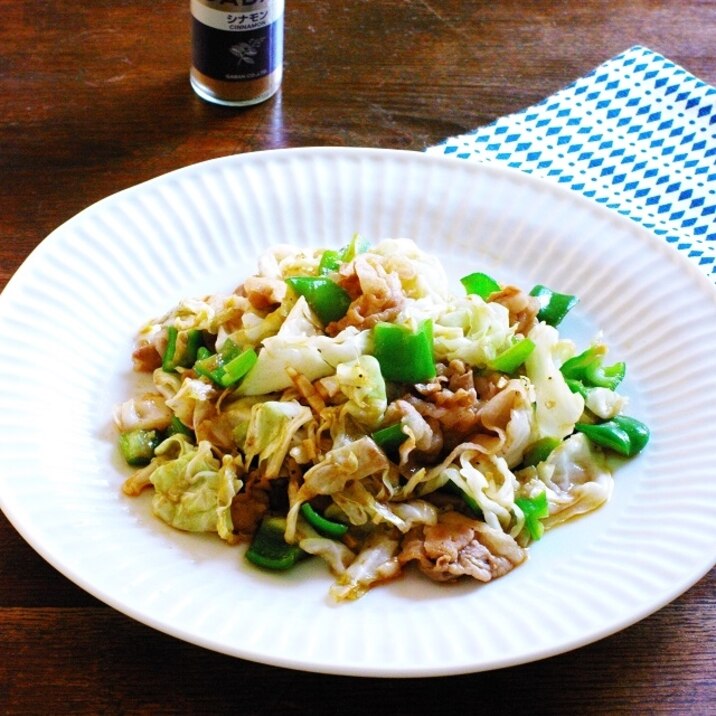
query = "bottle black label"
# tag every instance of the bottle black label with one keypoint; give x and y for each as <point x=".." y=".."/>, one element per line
<point x="238" y="39"/>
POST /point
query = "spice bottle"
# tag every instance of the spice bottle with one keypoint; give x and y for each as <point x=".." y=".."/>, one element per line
<point x="237" y="50"/>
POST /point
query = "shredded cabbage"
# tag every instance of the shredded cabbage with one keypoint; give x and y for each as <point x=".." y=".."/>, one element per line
<point x="445" y="473"/>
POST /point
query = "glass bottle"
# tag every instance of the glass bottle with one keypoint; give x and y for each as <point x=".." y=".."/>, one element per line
<point x="237" y="50"/>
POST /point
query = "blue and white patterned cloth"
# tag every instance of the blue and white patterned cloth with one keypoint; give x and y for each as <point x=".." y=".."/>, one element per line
<point x="637" y="134"/>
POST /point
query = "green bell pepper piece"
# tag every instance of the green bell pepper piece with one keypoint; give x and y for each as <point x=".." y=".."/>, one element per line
<point x="172" y="358"/>
<point x="608" y="435"/>
<point x="404" y="355"/>
<point x="513" y="357"/>
<point x="622" y="434"/>
<point x="587" y="369"/>
<point x="539" y="451"/>
<point x="269" y="550"/>
<point x="390" y="439"/>
<point x="238" y="367"/>
<point x="328" y="528"/>
<point x="469" y="500"/>
<point x="168" y="363"/>
<point x="599" y="376"/>
<point x="575" y="367"/>
<point x="228" y="366"/>
<point x="554" y="306"/>
<point x="326" y="299"/>
<point x="330" y="261"/>
<point x="534" y="510"/>
<point x="480" y="284"/>
<point x="637" y="431"/>
<point x="577" y="387"/>
<point x="358" y="245"/>
<point x="211" y="365"/>
<point x="137" y="446"/>
<point x="176" y="427"/>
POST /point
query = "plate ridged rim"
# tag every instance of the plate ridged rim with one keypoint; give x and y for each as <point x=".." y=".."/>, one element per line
<point x="60" y="488"/>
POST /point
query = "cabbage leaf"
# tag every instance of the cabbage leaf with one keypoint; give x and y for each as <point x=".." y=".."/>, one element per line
<point x="300" y="346"/>
<point x="271" y="426"/>
<point x="192" y="398"/>
<point x="422" y="276"/>
<point x="361" y="381"/>
<point x="576" y="477"/>
<point x="193" y="491"/>
<point x="557" y="408"/>
<point x="471" y="330"/>
<point x="376" y="562"/>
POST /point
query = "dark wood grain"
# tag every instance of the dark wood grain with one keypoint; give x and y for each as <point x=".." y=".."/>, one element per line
<point x="95" y="98"/>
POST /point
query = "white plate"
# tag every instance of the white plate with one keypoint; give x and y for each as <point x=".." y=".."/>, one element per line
<point x="69" y="315"/>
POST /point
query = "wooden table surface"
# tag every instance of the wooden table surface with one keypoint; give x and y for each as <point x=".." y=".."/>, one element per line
<point x="95" y="98"/>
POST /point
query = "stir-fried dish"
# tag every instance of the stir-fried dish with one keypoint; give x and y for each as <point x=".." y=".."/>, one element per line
<point x="347" y="404"/>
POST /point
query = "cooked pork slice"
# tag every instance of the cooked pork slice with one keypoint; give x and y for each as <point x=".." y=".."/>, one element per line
<point x="450" y="398"/>
<point x="264" y="292"/>
<point x="523" y="308"/>
<point x="379" y="295"/>
<point x="146" y="412"/>
<point x="459" y="546"/>
<point x="427" y="434"/>
<point x="146" y="358"/>
<point x="247" y="510"/>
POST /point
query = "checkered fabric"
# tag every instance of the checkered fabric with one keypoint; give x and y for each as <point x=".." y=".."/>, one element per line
<point x="637" y="134"/>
